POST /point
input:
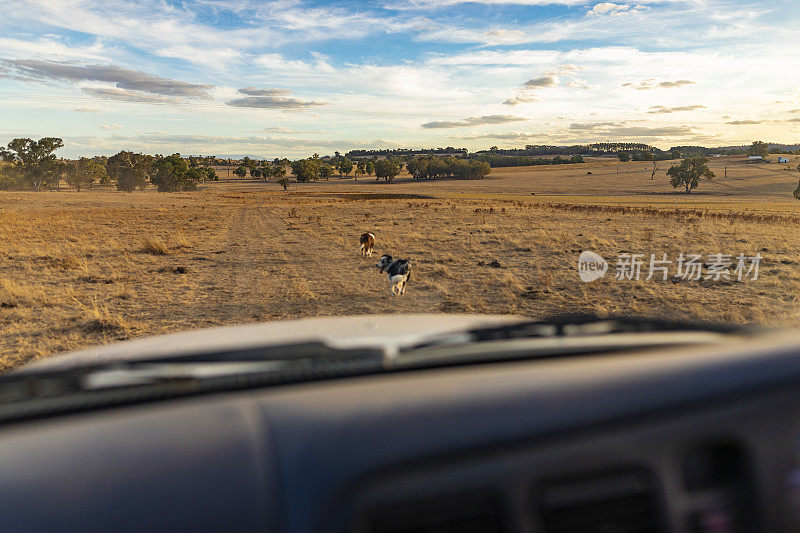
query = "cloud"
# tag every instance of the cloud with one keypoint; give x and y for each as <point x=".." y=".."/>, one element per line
<point x="591" y="126"/>
<point x="648" y="84"/>
<point x="252" y="91"/>
<point x="473" y="121"/>
<point x="282" y="129"/>
<point x="673" y="84"/>
<point x="506" y="136"/>
<point x="88" y="110"/>
<point x="110" y="127"/>
<point x="121" y="95"/>
<point x="616" y="129"/>
<point x="270" y="99"/>
<point x="659" y="109"/>
<point x="610" y="8"/>
<point x="640" y="131"/>
<point x="521" y="99"/>
<point x="744" y="122"/>
<point x="551" y="78"/>
<point x="542" y="81"/>
<point x="122" y="78"/>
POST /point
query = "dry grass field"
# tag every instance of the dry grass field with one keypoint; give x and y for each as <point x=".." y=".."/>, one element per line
<point x="83" y="268"/>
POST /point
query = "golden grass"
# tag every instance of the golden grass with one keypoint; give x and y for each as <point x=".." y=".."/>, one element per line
<point x="93" y="267"/>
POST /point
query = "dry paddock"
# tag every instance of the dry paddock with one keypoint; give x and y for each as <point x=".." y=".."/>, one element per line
<point x="79" y="269"/>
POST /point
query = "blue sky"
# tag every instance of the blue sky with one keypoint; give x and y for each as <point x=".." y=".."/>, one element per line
<point x="291" y="77"/>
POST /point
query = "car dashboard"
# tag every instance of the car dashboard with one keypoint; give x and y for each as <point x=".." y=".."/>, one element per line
<point x="687" y="439"/>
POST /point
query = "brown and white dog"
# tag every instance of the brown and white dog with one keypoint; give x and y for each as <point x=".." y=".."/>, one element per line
<point x="367" y="243"/>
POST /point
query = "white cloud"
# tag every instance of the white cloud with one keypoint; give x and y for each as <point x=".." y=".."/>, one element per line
<point x="610" y="8"/>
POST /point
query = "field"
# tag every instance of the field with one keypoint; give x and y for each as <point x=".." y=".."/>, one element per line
<point x="83" y="268"/>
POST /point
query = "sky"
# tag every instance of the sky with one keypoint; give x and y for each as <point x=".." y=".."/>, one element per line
<point x="289" y="78"/>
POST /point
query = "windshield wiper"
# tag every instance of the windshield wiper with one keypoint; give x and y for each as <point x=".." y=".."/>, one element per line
<point x="32" y="394"/>
<point x="561" y="336"/>
<point x="575" y="325"/>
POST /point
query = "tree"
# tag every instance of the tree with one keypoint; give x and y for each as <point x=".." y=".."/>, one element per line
<point x="796" y="192"/>
<point x="370" y="166"/>
<point x="283" y="181"/>
<point x="33" y="163"/>
<point x="130" y="170"/>
<point x="689" y="173"/>
<point x="386" y="169"/>
<point x="344" y="166"/>
<point x="305" y="169"/>
<point x="576" y="159"/>
<point x="241" y="171"/>
<point x="83" y="172"/>
<point x="655" y="169"/>
<point x="758" y="148"/>
<point x="278" y="171"/>
<point x="172" y="173"/>
<point x="325" y="170"/>
<point x="624" y="156"/>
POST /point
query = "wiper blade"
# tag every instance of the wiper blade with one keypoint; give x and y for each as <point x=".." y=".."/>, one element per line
<point x="196" y="372"/>
<point x="575" y="325"/>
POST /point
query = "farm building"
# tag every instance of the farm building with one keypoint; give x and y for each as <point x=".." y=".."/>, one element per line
<point x="783" y="160"/>
<point x="754" y="159"/>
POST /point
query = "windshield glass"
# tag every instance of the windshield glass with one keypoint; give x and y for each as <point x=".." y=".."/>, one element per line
<point x="169" y="166"/>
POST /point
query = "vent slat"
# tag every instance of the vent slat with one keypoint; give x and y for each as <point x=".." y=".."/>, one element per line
<point x="461" y="514"/>
<point x="617" y="503"/>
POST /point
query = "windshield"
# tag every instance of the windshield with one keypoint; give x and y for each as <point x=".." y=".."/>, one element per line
<point x="170" y="166"/>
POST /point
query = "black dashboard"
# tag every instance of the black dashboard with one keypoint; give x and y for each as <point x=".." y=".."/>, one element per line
<point x="694" y="439"/>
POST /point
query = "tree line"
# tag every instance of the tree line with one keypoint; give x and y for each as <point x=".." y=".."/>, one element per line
<point x="33" y="165"/>
<point x="494" y="160"/>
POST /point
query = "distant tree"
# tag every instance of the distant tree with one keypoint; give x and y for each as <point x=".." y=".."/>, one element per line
<point x="624" y="156"/>
<point x="758" y="148"/>
<point x="173" y="173"/>
<point x="344" y="166"/>
<point x="283" y="181"/>
<point x="277" y="171"/>
<point x="656" y="167"/>
<point x="211" y="174"/>
<point x="326" y="170"/>
<point x="305" y="169"/>
<point x="9" y="178"/>
<point x="689" y="173"/>
<point x="370" y="167"/>
<point x="576" y="159"/>
<point x="241" y="171"/>
<point x="796" y="192"/>
<point x="33" y="164"/>
<point x="386" y="169"/>
<point x="130" y="170"/>
<point x="84" y="172"/>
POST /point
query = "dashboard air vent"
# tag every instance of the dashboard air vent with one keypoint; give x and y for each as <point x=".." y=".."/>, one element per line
<point x="458" y="514"/>
<point x="613" y="503"/>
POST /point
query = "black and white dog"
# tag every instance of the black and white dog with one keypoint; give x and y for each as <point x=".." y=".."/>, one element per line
<point x="399" y="271"/>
